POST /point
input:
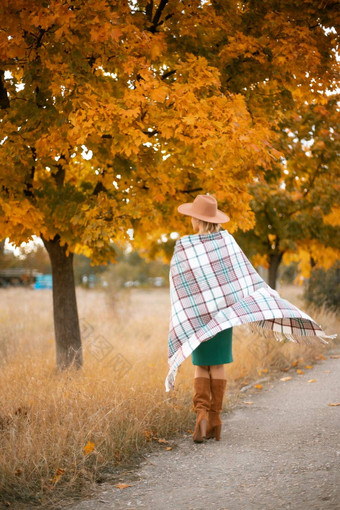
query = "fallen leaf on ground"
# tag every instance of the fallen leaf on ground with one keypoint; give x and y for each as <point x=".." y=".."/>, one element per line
<point x="258" y="386"/>
<point x="168" y="448"/>
<point x="247" y="402"/>
<point x="309" y="366"/>
<point x="122" y="485"/>
<point x="311" y="380"/>
<point x="89" y="447"/>
<point x="335" y="356"/>
<point x="148" y="434"/>
<point x="334" y="404"/>
<point x="285" y="378"/>
<point x="321" y="356"/>
<point x="162" y="440"/>
<point x="59" y="473"/>
<point x="298" y="371"/>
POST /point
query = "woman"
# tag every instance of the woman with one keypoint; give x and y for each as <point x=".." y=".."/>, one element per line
<point x="209" y="357"/>
<point x="214" y="287"/>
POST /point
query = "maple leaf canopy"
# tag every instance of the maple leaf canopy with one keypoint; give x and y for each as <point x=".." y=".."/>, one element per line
<point x="113" y="113"/>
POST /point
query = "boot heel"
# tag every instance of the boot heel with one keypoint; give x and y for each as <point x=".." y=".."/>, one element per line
<point x="218" y="429"/>
<point x="218" y="387"/>
<point x="201" y="400"/>
<point x="215" y="432"/>
<point x="199" y="435"/>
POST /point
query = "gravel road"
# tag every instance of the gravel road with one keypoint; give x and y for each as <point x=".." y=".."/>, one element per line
<point x="281" y="452"/>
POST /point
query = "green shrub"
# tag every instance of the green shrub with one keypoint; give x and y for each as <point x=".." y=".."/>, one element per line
<point x="323" y="287"/>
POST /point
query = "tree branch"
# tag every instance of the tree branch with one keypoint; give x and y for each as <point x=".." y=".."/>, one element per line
<point x="189" y="190"/>
<point x="4" y="101"/>
<point x="40" y="36"/>
<point x="148" y="10"/>
<point x="167" y="74"/>
<point x="98" y="188"/>
<point x="59" y="176"/>
<point x="151" y="133"/>
<point x="312" y="179"/>
<point x="28" y="190"/>
<point x="158" y="14"/>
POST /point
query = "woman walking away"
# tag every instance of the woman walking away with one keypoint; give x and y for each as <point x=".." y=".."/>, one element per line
<point x="214" y="287"/>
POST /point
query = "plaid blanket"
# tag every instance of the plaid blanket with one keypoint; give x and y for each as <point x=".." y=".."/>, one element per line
<point x="213" y="286"/>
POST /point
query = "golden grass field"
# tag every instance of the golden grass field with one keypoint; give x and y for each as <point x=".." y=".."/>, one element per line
<point x="61" y="432"/>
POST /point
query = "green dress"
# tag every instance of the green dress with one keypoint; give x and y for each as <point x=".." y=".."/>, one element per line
<point x="215" y="351"/>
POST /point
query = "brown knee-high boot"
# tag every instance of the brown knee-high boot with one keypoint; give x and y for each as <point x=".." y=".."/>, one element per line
<point x="214" y="428"/>
<point x="201" y="402"/>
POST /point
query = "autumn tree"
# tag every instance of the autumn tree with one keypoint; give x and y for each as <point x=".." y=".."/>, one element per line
<point x="297" y="204"/>
<point x="113" y="113"/>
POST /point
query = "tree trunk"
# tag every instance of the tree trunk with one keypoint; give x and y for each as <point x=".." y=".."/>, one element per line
<point x="274" y="262"/>
<point x="65" y="312"/>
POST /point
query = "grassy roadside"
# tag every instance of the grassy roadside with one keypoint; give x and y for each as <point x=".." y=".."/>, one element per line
<point x="61" y="432"/>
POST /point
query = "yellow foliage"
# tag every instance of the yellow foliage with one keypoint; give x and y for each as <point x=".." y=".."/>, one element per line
<point x="159" y="114"/>
<point x="311" y="249"/>
<point x="260" y="260"/>
<point x="333" y="218"/>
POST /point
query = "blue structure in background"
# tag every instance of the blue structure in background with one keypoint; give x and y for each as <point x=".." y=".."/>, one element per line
<point x="43" y="281"/>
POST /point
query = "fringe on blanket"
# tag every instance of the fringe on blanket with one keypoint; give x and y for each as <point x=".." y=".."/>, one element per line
<point x="267" y="332"/>
<point x="264" y="328"/>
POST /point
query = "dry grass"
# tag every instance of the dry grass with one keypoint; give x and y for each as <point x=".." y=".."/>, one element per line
<point x="46" y="418"/>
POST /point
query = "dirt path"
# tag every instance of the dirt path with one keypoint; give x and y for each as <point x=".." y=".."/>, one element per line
<point x="281" y="452"/>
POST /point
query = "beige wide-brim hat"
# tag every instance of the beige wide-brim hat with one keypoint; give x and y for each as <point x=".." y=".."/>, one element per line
<point x="204" y="207"/>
